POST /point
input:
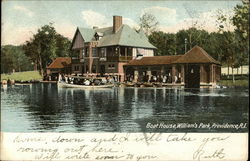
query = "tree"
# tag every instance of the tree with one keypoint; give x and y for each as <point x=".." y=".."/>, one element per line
<point x="63" y="46"/>
<point x="198" y="37"/>
<point x="216" y="48"/>
<point x="231" y="48"/>
<point x="165" y="42"/>
<point x="241" y="20"/>
<point x="45" y="46"/>
<point x="14" y="59"/>
<point x="7" y="64"/>
<point x="148" y="23"/>
<point x="193" y="36"/>
<point x="237" y="42"/>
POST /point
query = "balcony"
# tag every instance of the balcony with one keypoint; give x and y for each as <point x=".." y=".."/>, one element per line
<point x="119" y="58"/>
<point x="125" y="58"/>
<point x="112" y="58"/>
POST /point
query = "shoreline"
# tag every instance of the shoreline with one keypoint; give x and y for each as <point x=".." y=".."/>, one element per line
<point x="137" y="85"/>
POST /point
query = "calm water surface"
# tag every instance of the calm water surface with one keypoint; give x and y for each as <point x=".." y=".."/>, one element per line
<point x="46" y="108"/>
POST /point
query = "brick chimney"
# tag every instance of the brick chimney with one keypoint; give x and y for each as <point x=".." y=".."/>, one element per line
<point x="117" y="23"/>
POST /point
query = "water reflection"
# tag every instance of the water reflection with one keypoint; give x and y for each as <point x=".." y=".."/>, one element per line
<point x="44" y="107"/>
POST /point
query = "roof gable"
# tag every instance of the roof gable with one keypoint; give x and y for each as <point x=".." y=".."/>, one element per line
<point x="196" y="55"/>
<point x="78" y="41"/>
<point x="60" y="62"/>
<point x="87" y="34"/>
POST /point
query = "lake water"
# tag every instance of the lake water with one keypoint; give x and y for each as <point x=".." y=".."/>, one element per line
<point x="47" y="108"/>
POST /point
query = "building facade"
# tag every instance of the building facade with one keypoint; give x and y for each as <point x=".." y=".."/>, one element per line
<point x="194" y="69"/>
<point x="126" y="54"/>
<point x="104" y="51"/>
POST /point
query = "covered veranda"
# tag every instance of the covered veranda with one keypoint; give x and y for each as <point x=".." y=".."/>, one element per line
<point x="194" y="69"/>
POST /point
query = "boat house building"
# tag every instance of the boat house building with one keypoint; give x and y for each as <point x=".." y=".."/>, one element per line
<point x="121" y="52"/>
<point x="194" y="69"/>
<point x="104" y="51"/>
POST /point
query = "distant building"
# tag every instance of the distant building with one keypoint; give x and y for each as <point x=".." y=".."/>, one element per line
<point x="59" y="65"/>
<point x="104" y="51"/>
<point x="236" y="71"/>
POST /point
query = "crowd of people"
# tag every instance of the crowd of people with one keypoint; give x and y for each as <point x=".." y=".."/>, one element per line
<point x="87" y="80"/>
<point x="155" y="78"/>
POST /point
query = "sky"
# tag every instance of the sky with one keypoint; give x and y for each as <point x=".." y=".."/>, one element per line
<point x="21" y="19"/>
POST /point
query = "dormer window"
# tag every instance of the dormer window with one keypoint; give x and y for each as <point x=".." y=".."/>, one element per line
<point x="98" y="36"/>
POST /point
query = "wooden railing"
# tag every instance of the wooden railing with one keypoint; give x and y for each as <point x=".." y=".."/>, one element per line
<point x="109" y="58"/>
<point x="119" y="58"/>
<point x="112" y="58"/>
<point x="125" y="58"/>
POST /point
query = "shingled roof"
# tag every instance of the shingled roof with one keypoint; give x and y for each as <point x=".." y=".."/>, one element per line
<point x="196" y="55"/>
<point x="60" y="62"/>
<point x="87" y="33"/>
<point x="154" y="60"/>
<point x="125" y="36"/>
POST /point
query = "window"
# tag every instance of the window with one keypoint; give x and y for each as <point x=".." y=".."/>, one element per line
<point x="103" y="52"/>
<point x="86" y="52"/>
<point x="76" y="68"/>
<point x="122" y="51"/>
<point x="129" y="51"/>
<point x="111" y="66"/>
<point x="96" y="37"/>
<point x="125" y="51"/>
<point x="83" y="52"/>
<point x="117" y="50"/>
<point x="94" y="52"/>
<point x="93" y="69"/>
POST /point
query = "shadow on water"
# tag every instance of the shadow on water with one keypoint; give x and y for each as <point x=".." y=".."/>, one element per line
<point x="207" y="106"/>
<point x="45" y="107"/>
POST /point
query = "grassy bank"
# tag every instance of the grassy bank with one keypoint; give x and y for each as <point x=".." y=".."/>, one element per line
<point x="22" y="76"/>
<point x="237" y="83"/>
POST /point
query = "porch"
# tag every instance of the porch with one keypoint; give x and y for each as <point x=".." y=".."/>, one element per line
<point x="186" y="75"/>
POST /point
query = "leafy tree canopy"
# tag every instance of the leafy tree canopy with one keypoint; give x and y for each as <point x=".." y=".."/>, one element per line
<point x="14" y="59"/>
<point x="45" y="46"/>
<point x="241" y="19"/>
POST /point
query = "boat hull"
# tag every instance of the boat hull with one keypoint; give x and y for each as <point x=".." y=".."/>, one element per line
<point x="66" y="85"/>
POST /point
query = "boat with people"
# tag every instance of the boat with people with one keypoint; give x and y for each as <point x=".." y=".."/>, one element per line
<point x="68" y="85"/>
<point x="84" y="82"/>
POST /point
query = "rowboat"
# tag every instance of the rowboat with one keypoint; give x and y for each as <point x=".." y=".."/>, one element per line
<point x="67" y="85"/>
